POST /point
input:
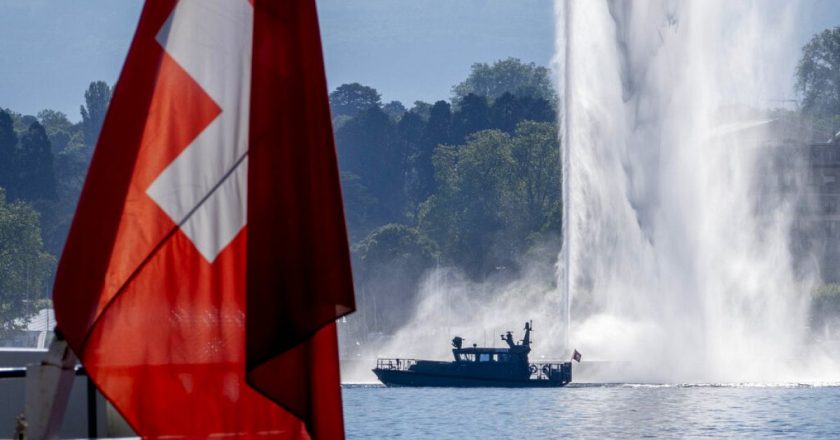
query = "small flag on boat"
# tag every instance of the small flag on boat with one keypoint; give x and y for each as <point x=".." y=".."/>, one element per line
<point x="208" y="258"/>
<point x="576" y="356"/>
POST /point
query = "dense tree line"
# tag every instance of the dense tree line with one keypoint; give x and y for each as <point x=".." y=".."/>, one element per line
<point x="472" y="183"/>
<point x="43" y="161"/>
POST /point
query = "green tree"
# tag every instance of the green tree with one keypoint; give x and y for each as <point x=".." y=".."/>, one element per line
<point x="24" y="266"/>
<point x="8" y="145"/>
<point x="422" y="109"/>
<point x="351" y="99"/>
<point x="536" y="179"/>
<point x="71" y="166"/>
<point x="60" y="130"/>
<point x="506" y="76"/>
<point x="468" y="210"/>
<point x="472" y="115"/>
<point x="409" y="132"/>
<point x="97" y="98"/>
<point x="390" y="263"/>
<point x="498" y="196"/>
<point x="34" y="173"/>
<point x="818" y="74"/>
<point x="394" y="109"/>
<point x="368" y="148"/>
<point x="358" y="204"/>
<point x="438" y="131"/>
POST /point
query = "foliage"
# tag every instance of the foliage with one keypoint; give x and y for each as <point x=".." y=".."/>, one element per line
<point x="536" y="160"/>
<point x="818" y="74"/>
<point x="394" y="109"/>
<point x="33" y="159"/>
<point x="469" y="208"/>
<point x="61" y="132"/>
<point x="473" y="116"/>
<point x="390" y="263"/>
<point x="367" y="147"/>
<point x="498" y="195"/>
<point x="351" y="99"/>
<point x="8" y="144"/>
<point x="438" y="131"/>
<point x="358" y="203"/>
<point x="422" y="109"/>
<point x="508" y="110"/>
<point x="395" y="243"/>
<point x="506" y="76"/>
<point x="24" y="266"/>
<point x="480" y="182"/>
<point x="97" y="98"/>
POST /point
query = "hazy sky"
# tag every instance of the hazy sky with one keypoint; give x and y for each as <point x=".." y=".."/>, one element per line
<point x="50" y="50"/>
<point x="407" y="49"/>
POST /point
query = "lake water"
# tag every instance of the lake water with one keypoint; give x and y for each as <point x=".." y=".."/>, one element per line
<point x="603" y="411"/>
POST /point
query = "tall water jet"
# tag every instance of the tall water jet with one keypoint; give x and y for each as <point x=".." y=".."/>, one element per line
<point x="671" y="259"/>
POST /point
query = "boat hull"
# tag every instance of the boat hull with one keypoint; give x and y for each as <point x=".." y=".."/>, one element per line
<point x="403" y="378"/>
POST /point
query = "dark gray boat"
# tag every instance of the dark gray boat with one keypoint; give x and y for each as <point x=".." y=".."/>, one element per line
<point x="477" y="367"/>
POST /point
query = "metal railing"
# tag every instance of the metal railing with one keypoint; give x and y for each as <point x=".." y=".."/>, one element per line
<point x="550" y="370"/>
<point x="395" y="364"/>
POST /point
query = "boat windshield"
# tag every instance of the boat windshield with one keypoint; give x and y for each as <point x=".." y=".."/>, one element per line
<point x="466" y="357"/>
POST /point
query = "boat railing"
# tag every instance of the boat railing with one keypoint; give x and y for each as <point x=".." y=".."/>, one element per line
<point x="551" y="370"/>
<point x="397" y="364"/>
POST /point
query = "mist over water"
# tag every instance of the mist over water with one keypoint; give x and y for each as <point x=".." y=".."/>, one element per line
<point x="673" y="260"/>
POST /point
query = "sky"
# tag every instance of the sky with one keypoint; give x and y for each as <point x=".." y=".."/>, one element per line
<point x="50" y="50"/>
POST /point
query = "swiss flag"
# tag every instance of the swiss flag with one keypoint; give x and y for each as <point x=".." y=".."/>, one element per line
<point x="208" y="258"/>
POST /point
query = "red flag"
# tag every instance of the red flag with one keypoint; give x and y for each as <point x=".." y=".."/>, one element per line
<point x="576" y="356"/>
<point x="209" y="237"/>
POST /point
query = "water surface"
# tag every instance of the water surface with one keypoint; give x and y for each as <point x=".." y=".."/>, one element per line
<point x="602" y="411"/>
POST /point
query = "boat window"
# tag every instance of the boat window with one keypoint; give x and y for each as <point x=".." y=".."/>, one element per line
<point x="484" y="357"/>
<point x="503" y="357"/>
<point x="467" y="357"/>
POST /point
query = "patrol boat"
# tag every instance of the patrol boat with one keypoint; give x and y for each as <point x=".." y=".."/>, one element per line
<point x="477" y="367"/>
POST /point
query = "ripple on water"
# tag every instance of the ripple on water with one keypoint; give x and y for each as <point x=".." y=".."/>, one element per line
<point x="594" y="410"/>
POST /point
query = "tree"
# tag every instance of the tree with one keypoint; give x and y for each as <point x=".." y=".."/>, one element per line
<point x="60" y="130"/>
<point x="472" y="115"/>
<point x="34" y="173"/>
<point x="394" y="109"/>
<point x="818" y="74"/>
<point x="367" y="147"/>
<point x="357" y="205"/>
<point x="24" y="266"/>
<point x="8" y="145"/>
<point x="437" y="132"/>
<point x="498" y="196"/>
<point x="422" y="109"/>
<point x="468" y="210"/>
<point x="536" y="173"/>
<point x="409" y="132"/>
<point x="351" y="99"/>
<point x="506" y="76"/>
<point x="390" y="263"/>
<point x="97" y="98"/>
<point x="71" y="166"/>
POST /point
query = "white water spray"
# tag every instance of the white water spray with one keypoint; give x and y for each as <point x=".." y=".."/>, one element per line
<point x="669" y="261"/>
